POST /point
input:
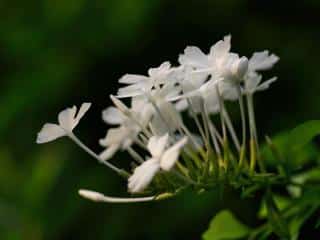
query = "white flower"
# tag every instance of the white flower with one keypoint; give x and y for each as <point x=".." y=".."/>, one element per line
<point x="162" y="158"/>
<point x="123" y="136"/>
<point x="219" y="63"/>
<point x="139" y="84"/>
<point x="68" y="119"/>
<point x="258" y="62"/>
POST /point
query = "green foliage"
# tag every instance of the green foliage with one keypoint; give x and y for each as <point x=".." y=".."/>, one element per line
<point x="293" y="149"/>
<point x="303" y="134"/>
<point x="225" y="226"/>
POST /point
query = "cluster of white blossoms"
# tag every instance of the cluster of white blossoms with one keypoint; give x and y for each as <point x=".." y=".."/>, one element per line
<point x="175" y="156"/>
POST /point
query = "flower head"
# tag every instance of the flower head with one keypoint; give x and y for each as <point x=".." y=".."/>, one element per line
<point x="153" y="123"/>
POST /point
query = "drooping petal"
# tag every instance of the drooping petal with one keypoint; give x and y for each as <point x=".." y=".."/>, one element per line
<point x="193" y="57"/>
<point x="262" y="61"/>
<point x="143" y="175"/>
<point x="113" y="116"/>
<point x="171" y="155"/>
<point x="50" y="132"/>
<point x="156" y="145"/>
<point x="265" y="85"/>
<point x="66" y="118"/>
<point x="83" y="109"/>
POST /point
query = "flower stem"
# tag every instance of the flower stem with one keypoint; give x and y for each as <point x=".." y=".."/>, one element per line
<point x="253" y="134"/>
<point x="243" y="116"/>
<point x="119" y="171"/>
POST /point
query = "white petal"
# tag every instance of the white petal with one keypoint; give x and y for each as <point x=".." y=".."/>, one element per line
<point x="221" y="48"/>
<point x="115" y="136"/>
<point x="109" y="152"/>
<point x="135" y="89"/>
<point x="143" y="175"/>
<point x="181" y="105"/>
<point x="83" y="109"/>
<point x="265" y="85"/>
<point x="66" y="118"/>
<point x="50" y="132"/>
<point x="171" y="155"/>
<point x="132" y="78"/>
<point x="113" y="116"/>
<point x="228" y="91"/>
<point x="193" y="57"/>
<point x="262" y="61"/>
<point x="156" y="145"/>
<point x="160" y="71"/>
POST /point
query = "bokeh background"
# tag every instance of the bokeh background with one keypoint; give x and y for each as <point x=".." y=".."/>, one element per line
<point x="56" y="53"/>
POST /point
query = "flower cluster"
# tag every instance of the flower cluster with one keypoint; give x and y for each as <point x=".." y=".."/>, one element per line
<point x="152" y="124"/>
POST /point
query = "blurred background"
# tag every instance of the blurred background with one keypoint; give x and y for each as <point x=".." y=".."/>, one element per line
<point x="56" y="53"/>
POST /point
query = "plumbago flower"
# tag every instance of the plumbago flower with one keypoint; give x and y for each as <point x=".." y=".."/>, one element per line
<point x="169" y="155"/>
<point x="178" y="157"/>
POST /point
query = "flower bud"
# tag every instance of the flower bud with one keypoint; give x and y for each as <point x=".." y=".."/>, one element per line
<point x="242" y="67"/>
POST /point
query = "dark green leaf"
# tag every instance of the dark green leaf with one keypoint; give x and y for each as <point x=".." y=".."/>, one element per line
<point x="304" y="133"/>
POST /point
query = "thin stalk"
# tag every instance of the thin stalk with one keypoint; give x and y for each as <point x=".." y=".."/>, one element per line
<point x="214" y="139"/>
<point x="189" y="134"/>
<point x="196" y="119"/>
<point x="141" y="143"/>
<point x="231" y="129"/>
<point x="136" y="156"/>
<point x="253" y="133"/>
<point x="94" y="155"/>
<point x="243" y="116"/>
<point x="221" y="106"/>
<point x="160" y="115"/>
<point x="187" y="180"/>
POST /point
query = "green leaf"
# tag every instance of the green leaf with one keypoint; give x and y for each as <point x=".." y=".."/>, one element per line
<point x="304" y="133"/>
<point x="292" y="149"/>
<point x="225" y="226"/>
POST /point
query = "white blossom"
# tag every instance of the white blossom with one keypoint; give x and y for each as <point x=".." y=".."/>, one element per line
<point x="139" y="84"/>
<point x="68" y="119"/>
<point x="124" y="135"/>
<point x="258" y="62"/>
<point x="220" y="63"/>
<point x="162" y="158"/>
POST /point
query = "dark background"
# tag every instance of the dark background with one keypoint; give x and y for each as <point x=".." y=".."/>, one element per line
<point x="56" y="53"/>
